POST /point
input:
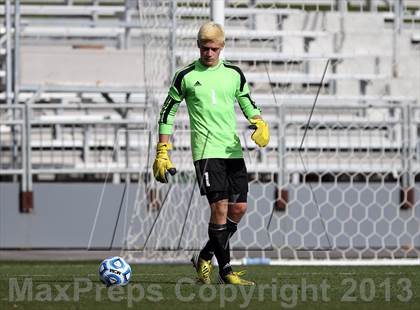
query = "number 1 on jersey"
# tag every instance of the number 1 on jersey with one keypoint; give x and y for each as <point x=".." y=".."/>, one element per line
<point x="213" y="96"/>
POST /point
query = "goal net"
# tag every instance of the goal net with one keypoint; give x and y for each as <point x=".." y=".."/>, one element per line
<point x="336" y="184"/>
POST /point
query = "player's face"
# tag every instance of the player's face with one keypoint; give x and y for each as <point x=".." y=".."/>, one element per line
<point x="209" y="53"/>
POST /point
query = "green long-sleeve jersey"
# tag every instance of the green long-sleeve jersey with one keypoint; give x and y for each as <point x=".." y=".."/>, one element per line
<point x="210" y="94"/>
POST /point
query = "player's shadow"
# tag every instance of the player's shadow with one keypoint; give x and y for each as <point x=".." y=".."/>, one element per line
<point x="148" y="281"/>
<point x="153" y="282"/>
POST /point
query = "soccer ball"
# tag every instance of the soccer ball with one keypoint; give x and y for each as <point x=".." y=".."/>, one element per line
<point x="114" y="271"/>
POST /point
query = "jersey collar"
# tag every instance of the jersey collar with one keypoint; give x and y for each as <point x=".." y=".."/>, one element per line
<point x="205" y="68"/>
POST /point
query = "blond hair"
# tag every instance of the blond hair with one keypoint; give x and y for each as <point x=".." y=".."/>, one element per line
<point x="211" y="32"/>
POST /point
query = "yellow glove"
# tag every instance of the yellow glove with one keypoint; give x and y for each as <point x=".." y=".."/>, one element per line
<point x="163" y="164"/>
<point x="261" y="135"/>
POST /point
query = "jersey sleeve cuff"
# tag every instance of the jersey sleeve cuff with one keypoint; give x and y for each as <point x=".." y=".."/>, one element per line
<point x="165" y="129"/>
<point x="254" y="113"/>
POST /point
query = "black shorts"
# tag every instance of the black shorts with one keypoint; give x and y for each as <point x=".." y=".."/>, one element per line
<point x="221" y="178"/>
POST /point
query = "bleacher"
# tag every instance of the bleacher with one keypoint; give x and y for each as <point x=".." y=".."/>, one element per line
<point x="98" y="53"/>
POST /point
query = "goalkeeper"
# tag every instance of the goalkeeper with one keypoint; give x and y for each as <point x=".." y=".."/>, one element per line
<point x="209" y="87"/>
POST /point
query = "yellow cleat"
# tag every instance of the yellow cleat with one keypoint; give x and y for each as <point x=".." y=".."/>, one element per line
<point x="235" y="279"/>
<point x="203" y="268"/>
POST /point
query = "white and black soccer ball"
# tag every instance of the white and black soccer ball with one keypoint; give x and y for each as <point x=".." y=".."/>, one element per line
<point x="114" y="271"/>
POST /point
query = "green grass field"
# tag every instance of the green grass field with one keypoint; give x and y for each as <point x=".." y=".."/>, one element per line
<point x="75" y="285"/>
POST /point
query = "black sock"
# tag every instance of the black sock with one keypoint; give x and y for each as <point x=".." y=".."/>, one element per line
<point x="231" y="226"/>
<point x="219" y="238"/>
<point x="208" y="251"/>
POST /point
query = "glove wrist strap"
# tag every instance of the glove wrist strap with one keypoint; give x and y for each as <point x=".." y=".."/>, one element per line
<point x="163" y="146"/>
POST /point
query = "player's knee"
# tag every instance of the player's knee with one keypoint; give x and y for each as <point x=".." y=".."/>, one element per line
<point x="238" y="209"/>
<point x="218" y="210"/>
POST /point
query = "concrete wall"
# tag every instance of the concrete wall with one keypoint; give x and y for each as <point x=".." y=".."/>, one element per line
<point x="64" y="213"/>
<point x="94" y="68"/>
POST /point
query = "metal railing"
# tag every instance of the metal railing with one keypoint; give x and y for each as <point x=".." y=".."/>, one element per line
<point x="12" y="140"/>
<point x="115" y="139"/>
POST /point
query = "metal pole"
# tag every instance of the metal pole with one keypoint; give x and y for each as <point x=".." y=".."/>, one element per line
<point x="172" y="39"/>
<point x="339" y="37"/>
<point x="116" y="177"/>
<point x="28" y="164"/>
<point x="8" y="53"/>
<point x="127" y="149"/>
<point x="24" y="145"/>
<point x="217" y="11"/>
<point x="130" y="6"/>
<point x="410" y="143"/>
<point x="395" y="35"/>
<point x="16" y="73"/>
<point x="404" y="147"/>
<point x="217" y="14"/>
<point x="127" y="19"/>
<point x="406" y="154"/>
<point x="26" y="142"/>
<point x="10" y="80"/>
<point x="282" y="144"/>
<point x="16" y="54"/>
<point x="407" y="193"/>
